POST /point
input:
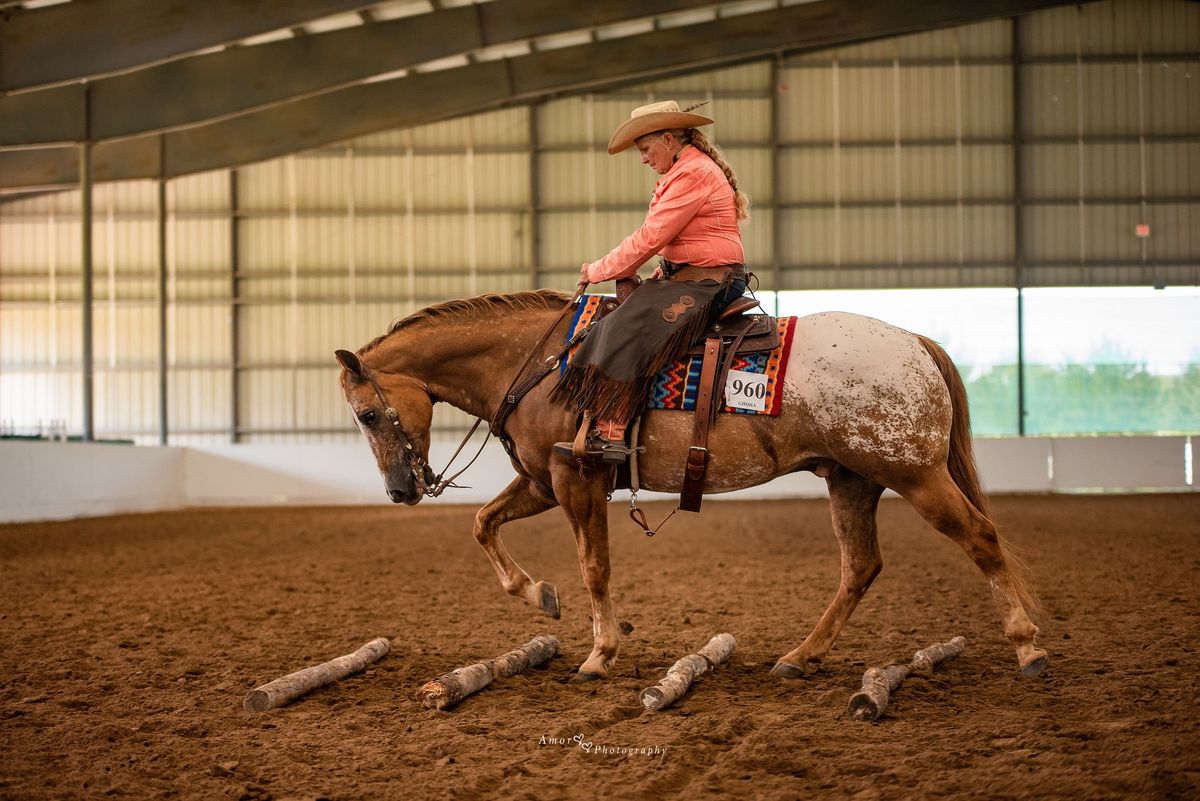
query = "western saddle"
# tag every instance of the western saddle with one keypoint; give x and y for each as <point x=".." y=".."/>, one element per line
<point x="734" y="332"/>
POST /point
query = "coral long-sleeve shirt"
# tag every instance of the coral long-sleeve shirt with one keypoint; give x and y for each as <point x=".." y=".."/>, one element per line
<point x="692" y="220"/>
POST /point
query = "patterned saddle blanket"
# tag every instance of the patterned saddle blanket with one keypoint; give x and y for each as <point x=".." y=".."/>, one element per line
<point x="754" y="385"/>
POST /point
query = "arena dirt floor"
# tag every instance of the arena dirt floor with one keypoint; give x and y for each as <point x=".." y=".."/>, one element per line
<point x="129" y="642"/>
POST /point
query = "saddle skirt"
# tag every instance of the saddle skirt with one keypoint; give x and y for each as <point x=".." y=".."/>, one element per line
<point x="763" y="350"/>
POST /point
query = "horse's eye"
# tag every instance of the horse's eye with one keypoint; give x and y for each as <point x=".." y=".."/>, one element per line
<point x="368" y="417"/>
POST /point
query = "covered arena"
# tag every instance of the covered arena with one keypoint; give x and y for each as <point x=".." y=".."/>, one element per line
<point x="199" y="206"/>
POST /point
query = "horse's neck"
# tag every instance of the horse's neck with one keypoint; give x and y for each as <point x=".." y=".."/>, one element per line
<point x="468" y="363"/>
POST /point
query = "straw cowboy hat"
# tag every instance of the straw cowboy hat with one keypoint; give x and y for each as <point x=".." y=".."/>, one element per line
<point x="662" y="116"/>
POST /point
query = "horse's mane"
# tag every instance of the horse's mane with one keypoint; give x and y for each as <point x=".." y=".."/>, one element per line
<point x="470" y="307"/>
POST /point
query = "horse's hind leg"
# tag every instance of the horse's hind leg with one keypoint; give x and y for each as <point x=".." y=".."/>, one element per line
<point x="939" y="500"/>
<point x="853" y="501"/>
<point x="514" y="503"/>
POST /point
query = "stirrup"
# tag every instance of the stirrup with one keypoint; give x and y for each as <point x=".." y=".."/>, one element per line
<point x="609" y="452"/>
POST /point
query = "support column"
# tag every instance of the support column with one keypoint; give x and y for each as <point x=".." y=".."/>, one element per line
<point x="535" y="201"/>
<point x="234" y="332"/>
<point x="85" y="189"/>
<point x="161" y="219"/>
<point x="1018" y="199"/>
<point x="776" y="186"/>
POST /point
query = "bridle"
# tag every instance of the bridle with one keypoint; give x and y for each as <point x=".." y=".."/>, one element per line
<point x="423" y="477"/>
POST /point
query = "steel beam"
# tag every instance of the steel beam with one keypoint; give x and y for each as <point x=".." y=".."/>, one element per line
<point x="241" y="79"/>
<point x="809" y="26"/>
<point x="218" y="85"/>
<point x="43" y="117"/>
<point x="80" y="40"/>
<point x="272" y="132"/>
<point x="428" y="97"/>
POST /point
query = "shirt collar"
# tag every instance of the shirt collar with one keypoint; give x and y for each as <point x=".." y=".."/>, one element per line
<point x="688" y="153"/>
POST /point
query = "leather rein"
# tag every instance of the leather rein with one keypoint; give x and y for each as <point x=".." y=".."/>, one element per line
<point x="423" y="476"/>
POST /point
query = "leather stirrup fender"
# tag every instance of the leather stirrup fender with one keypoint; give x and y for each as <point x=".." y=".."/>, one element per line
<point x="697" y="458"/>
<point x="579" y="446"/>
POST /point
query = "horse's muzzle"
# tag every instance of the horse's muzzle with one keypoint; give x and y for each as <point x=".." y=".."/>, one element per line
<point x="410" y="498"/>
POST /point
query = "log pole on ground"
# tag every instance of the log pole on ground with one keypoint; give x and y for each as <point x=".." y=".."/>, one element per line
<point x="878" y="684"/>
<point x="287" y="689"/>
<point x="680" y="676"/>
<point x="447" y="690"/>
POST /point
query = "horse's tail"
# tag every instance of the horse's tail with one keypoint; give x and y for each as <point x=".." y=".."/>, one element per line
<point x="961" y="464"/>
<point x="961" y="461"/>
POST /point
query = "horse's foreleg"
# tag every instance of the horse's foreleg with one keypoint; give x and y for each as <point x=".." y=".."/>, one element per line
<point x="853" y="501"/>
<point x="585" y="504"/>
<point x="514" y="503"/>
<point x="939" y="500"/>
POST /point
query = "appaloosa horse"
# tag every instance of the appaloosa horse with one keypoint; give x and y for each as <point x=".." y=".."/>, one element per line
<point x="866" y="406"/>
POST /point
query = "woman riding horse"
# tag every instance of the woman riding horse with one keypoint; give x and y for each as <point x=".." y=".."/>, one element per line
<point x="864" y="405"/>
<point x="693" y="222"/>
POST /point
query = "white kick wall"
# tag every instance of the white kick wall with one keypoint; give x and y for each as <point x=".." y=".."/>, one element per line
<point x="40" y="481"/>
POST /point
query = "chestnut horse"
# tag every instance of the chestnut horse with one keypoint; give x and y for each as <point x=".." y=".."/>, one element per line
<point x="866" y="406"/>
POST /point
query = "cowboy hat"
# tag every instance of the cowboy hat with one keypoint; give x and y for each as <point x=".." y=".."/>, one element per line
<point x="642" y="120"/>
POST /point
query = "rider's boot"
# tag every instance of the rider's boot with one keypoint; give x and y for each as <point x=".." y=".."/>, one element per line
<point x="606" y="441"/>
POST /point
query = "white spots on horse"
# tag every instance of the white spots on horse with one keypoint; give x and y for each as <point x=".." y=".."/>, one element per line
<point x="871" y="386"/>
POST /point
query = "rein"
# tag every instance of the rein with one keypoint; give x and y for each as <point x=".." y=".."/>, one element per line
<point x="519" y="387"/>
<point x="514" y="393"/>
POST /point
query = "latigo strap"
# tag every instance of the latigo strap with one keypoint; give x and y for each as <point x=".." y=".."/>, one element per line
<point x="712" y="380"/>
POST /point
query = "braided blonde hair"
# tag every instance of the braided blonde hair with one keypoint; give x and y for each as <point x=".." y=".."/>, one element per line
<point x="697" y="139"/>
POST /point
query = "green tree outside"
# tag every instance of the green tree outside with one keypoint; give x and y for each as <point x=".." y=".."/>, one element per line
<point x="1109" y="398"/>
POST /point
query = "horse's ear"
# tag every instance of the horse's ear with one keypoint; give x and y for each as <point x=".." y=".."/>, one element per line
<point x="349" y="361"/>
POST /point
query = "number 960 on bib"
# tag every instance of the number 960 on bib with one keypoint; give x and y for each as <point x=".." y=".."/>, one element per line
<point x="746" y="390"/>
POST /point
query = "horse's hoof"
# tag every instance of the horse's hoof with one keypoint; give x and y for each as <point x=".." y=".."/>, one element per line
<point x="584" y="676"/>
<point x="786" y="670"/>
<point x="547" y="595"/>
<point x="1034" y="666"/>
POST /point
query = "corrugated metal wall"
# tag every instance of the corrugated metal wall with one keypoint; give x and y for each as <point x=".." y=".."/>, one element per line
<point x="889" y="164"/>
<point x="1112" y="109"/>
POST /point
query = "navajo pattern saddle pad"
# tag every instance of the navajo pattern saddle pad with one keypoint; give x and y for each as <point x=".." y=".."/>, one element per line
<point x="677" y="384"/>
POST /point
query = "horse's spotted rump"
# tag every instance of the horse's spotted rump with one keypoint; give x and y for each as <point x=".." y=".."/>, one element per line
<point x="872" y="387"/>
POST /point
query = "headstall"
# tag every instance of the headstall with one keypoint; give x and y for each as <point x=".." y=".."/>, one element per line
<point x="426" y="482"/>
<point x="423" y="476"/>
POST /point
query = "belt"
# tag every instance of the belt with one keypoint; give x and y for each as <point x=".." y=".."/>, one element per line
<point x="690" y="272"/>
